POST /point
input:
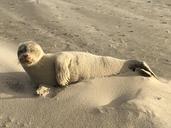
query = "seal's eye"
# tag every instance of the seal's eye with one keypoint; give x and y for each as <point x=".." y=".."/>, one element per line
<point x="31" y="49"/>
<point x="22" y="49"/>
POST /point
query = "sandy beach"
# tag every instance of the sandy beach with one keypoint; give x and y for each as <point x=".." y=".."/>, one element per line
<point x="129" y="29"/>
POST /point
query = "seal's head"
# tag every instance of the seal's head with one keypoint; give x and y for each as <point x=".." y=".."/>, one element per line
<point x="29" y="53"/>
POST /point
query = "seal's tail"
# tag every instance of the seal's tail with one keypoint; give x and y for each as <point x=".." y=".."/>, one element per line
<point x="142" y="68"/>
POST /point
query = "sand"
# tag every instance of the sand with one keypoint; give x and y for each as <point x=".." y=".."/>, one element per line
<point x="129" y="29"/>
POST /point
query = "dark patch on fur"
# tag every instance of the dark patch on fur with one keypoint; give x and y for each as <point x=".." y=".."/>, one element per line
<point x="77" y="60"/>
<point x="104" y="61"/>
<point x="69" y="65"/>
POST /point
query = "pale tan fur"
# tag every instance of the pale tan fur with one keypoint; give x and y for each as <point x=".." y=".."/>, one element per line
<point x="76" y="66"/>
<point x="64" y="68"/>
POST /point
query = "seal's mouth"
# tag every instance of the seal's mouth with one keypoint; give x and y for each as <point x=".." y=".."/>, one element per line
<point x="25" y="59"/>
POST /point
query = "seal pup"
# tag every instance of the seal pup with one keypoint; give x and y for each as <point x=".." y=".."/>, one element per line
<point x="63" y="68"/>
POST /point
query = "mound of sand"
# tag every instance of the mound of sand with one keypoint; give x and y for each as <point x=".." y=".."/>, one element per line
<point x="123" y="101"/>
<point x="138" y="29"/>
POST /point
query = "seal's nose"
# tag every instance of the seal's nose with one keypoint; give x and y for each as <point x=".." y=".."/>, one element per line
<point x="25" y="55"/>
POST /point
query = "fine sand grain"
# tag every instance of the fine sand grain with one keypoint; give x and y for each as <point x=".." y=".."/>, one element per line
<point x="129" y="29"/>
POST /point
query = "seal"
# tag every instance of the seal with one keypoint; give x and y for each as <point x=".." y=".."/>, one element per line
<point x="63" y="68"/>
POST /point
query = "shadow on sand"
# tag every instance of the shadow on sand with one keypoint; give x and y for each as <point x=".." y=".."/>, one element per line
<point x="19" y="85"/>
<point x="16" y="85"/>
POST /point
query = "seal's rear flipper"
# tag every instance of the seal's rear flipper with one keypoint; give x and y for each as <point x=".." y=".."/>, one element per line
<point x="143" y="72"/>
<point x="147" y="70"/>
<point x="142" y="68"/>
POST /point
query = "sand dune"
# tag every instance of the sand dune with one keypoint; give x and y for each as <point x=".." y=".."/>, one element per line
<point x="9" y="61"/>
<point x="109" y="102"/>
<point x="124" y="29"/>
<point x="121" y="101"/>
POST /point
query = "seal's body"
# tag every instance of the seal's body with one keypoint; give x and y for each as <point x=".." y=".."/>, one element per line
<point x="43" y="72"/>
<point x="64" y="68"/>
